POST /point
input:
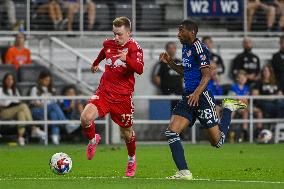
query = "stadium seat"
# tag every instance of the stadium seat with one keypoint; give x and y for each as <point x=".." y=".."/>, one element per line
<point x="21" y="10"/>
<point x="123" y="10"/>
<point x="149" y="17"/>
<point x="103" y="19"/>
<point x="29" y="73"/>
<point x="7" y="68"/>
<point x="3" y="50"/>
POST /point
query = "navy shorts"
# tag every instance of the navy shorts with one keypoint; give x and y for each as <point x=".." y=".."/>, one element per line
<point x="205" y="111"/>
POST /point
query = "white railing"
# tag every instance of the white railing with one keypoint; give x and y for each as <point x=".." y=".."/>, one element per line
<point x="47" y="122"/>
<point x="80" y="58"/>
<point x="107" y="122"/>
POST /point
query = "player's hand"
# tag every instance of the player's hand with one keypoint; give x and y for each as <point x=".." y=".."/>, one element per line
<point x="193" y="99"/>
<point x="94" y="69"/>
<point x="122" y="55"/>
<point x="165" y="57"/>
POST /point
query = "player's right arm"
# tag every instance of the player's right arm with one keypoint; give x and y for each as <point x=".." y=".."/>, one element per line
<point x="166" y="58"/>
<point x="101" y="56"/>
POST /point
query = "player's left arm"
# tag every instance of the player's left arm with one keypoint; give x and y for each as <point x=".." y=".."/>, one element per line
<point x="135" y="58"/>
<point x="135" y="61"/>
<point x="193" y="99"/>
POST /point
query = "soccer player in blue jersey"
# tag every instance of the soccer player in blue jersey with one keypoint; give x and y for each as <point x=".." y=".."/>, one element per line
<point x="197" y="101"/>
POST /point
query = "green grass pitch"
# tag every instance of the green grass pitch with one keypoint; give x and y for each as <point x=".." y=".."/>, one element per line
<point x="232" y="166"/>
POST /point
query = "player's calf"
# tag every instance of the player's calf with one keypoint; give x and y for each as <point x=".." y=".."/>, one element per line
<point x="220" y="142"/>
<point x="176" y="149"/>
<point x="130" y="142"/>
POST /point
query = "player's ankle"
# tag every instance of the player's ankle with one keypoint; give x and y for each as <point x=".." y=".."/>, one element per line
<point x="131" y="158"/>
<point x="92" y="141"/>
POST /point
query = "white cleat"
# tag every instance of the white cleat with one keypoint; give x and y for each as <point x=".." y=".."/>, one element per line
<point x="182" y="174"/>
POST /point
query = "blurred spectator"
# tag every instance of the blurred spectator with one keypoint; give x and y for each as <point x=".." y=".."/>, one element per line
<point x="9" y="6"/>
<point x="280" y="11"/>
<point x="71" y="108"/>
<point x="15" y="109"/>
<point x="54" y="112"/>
<point x="278" y="64"/>
<point x="247" y="61"/>
<point x="214" y="85"/>
<point x="52" y="7"/>
<point x="73" y="7"/>
<point x="267" y="86"/>
<point x="253" y="6"/>
<point x="214" y="58"/>
<point x="169" y="81"/>
<point x="241" y="89"/>
<point x="18" y="54"/>
<point x="166" y="79"/>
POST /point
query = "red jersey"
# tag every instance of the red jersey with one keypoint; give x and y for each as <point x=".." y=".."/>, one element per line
<point x="118" y="80"/>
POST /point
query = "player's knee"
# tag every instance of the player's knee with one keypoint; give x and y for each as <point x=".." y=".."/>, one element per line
<point x="220" y="142"/>
<point x="127" y="134"/>
<point x="174" y="129"/>
<point x="86" y="119"/>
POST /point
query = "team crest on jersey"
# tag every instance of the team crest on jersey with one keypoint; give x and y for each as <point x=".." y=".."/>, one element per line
<point x="202" y="57"/>
<point x="188" y="53"/>
<point x="108" y="51"/>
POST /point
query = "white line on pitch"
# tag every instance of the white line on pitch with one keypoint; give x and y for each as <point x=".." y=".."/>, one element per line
<point x="199" y="179"/>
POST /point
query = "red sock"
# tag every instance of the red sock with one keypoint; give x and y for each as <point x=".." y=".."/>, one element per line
<point x="131" y="145"/>
<point x="89" y="132"/>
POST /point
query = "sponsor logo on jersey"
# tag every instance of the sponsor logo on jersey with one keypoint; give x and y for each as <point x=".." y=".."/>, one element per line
<point x="116" y="64"/>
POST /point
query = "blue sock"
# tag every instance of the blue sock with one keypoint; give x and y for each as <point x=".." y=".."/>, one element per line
<point x="177" y="149"/>
<point x="225" y="121"/>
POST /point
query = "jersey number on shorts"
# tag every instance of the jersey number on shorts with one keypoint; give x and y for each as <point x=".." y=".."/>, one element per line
<point x="205" y="114"/>
<point x="127" y="119"/>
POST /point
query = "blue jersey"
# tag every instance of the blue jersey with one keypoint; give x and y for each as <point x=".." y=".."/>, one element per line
<point x="238" y="91"/>
<point x="215" y="89"/>
<point x="194" y="57"/>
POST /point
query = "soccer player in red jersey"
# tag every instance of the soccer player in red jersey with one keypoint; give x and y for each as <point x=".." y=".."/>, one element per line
<point x="124" y="57"/>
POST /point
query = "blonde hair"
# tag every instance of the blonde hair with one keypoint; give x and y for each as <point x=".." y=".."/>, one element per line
<point x="122" y="21"/>
<point x="241" y="72"/>
<point x="272" y="79"/>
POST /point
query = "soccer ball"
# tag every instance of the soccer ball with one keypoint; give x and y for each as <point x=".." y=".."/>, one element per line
<point x="265" y="136"/>
<point x="60" y="163"/>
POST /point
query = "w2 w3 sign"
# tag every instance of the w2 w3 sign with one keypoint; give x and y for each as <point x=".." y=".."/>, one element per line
<point x="215" y="7"/>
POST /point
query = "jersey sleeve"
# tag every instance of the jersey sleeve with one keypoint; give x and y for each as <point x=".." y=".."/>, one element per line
<point x="202" y="55"/>
<point x="101" y="55"/>
<point x="134" y="59"/>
